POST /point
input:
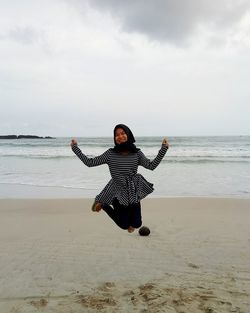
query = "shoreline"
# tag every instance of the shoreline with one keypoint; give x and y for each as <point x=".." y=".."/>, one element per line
<point x="149" y="198"/>
<point x="28" y="191"/>
<point x="59" y="256"/>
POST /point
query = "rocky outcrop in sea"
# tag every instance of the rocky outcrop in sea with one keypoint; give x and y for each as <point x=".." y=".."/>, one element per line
<point x="24" y="137"/>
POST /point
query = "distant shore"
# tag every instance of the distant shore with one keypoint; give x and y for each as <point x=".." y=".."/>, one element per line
<point x="24" y="137"/>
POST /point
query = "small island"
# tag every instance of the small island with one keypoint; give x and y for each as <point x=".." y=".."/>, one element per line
<point x="24" y="137"/>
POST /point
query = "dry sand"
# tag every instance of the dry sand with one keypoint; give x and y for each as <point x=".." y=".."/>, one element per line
<point x="58" y="256"/>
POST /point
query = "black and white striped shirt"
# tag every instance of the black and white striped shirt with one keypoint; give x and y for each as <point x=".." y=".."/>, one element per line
<point x="126" y="184"/>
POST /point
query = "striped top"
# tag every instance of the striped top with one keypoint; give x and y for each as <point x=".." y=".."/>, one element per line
<point x="126" y="184"/>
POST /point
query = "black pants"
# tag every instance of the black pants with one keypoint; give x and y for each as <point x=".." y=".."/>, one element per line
<point x="124" y="216"/>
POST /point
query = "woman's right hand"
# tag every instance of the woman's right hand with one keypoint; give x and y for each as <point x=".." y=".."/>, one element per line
<point x="165" y="142"/>
<point x="73" y="143"/>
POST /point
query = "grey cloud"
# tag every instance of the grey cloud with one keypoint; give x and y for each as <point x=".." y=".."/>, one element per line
<point x="173" y="20"/>
<point x="24" y="35"/>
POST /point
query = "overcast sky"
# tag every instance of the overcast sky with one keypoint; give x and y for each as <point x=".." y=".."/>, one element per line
<point x="164" y="67"/>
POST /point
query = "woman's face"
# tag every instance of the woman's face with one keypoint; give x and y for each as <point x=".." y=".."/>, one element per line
<point x="120" y="136"/>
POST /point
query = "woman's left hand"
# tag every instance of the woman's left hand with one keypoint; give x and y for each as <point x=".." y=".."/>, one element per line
<point x="73" y="143"/>
<point x="165" y="142"/>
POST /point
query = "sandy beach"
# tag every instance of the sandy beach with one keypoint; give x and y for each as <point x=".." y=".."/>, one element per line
<point x="58" y="256"/>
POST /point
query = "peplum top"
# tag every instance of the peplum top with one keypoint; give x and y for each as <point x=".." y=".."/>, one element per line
<point x="126" y="185"/>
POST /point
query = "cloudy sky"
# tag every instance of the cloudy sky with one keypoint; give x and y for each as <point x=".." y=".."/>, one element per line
<point x="164" y="67"/>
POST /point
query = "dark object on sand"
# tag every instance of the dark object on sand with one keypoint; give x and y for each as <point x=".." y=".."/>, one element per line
<point x="144" y="231"/>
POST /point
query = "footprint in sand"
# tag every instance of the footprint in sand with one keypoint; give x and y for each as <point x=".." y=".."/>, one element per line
<point x="39" y="304"/>
<point x="100" y="299"/>
<point x="192" y="265"/>
<point x="98" y="302"/>
<point x="106" y="286"/>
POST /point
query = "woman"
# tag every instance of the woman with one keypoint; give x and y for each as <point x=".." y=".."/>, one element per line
<point x="126" y="188"/>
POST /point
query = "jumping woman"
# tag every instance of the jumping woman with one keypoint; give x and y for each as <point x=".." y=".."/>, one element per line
<point x="121" y="197"/>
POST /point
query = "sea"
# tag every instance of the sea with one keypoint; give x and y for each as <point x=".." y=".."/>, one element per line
<point x="193" y="166"/>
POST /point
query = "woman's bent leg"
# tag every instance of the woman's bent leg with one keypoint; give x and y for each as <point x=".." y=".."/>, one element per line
<point x="124" y="216"/>
<point x="135" y="215"/>
<point x="119" y="214"/>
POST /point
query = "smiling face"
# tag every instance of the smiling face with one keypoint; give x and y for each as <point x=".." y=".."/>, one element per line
<point x="120" y="136"/>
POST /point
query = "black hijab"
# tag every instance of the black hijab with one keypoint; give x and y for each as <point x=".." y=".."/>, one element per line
<point x="127" y="146"/>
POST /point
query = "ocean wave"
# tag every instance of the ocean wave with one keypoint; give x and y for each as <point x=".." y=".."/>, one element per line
<point x="46" y="186"/>
<point x="168" y="159"/>
<point x="37" y="156"/>
<point x="206" y="160"/>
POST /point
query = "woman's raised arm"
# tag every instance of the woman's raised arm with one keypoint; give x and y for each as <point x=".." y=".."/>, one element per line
<point x="151" y="165"/>
<point x="90" y="162"/>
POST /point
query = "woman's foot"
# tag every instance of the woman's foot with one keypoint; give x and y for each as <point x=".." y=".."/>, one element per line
<point x="96" y="207"/>
<point x="131" y="229"/>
